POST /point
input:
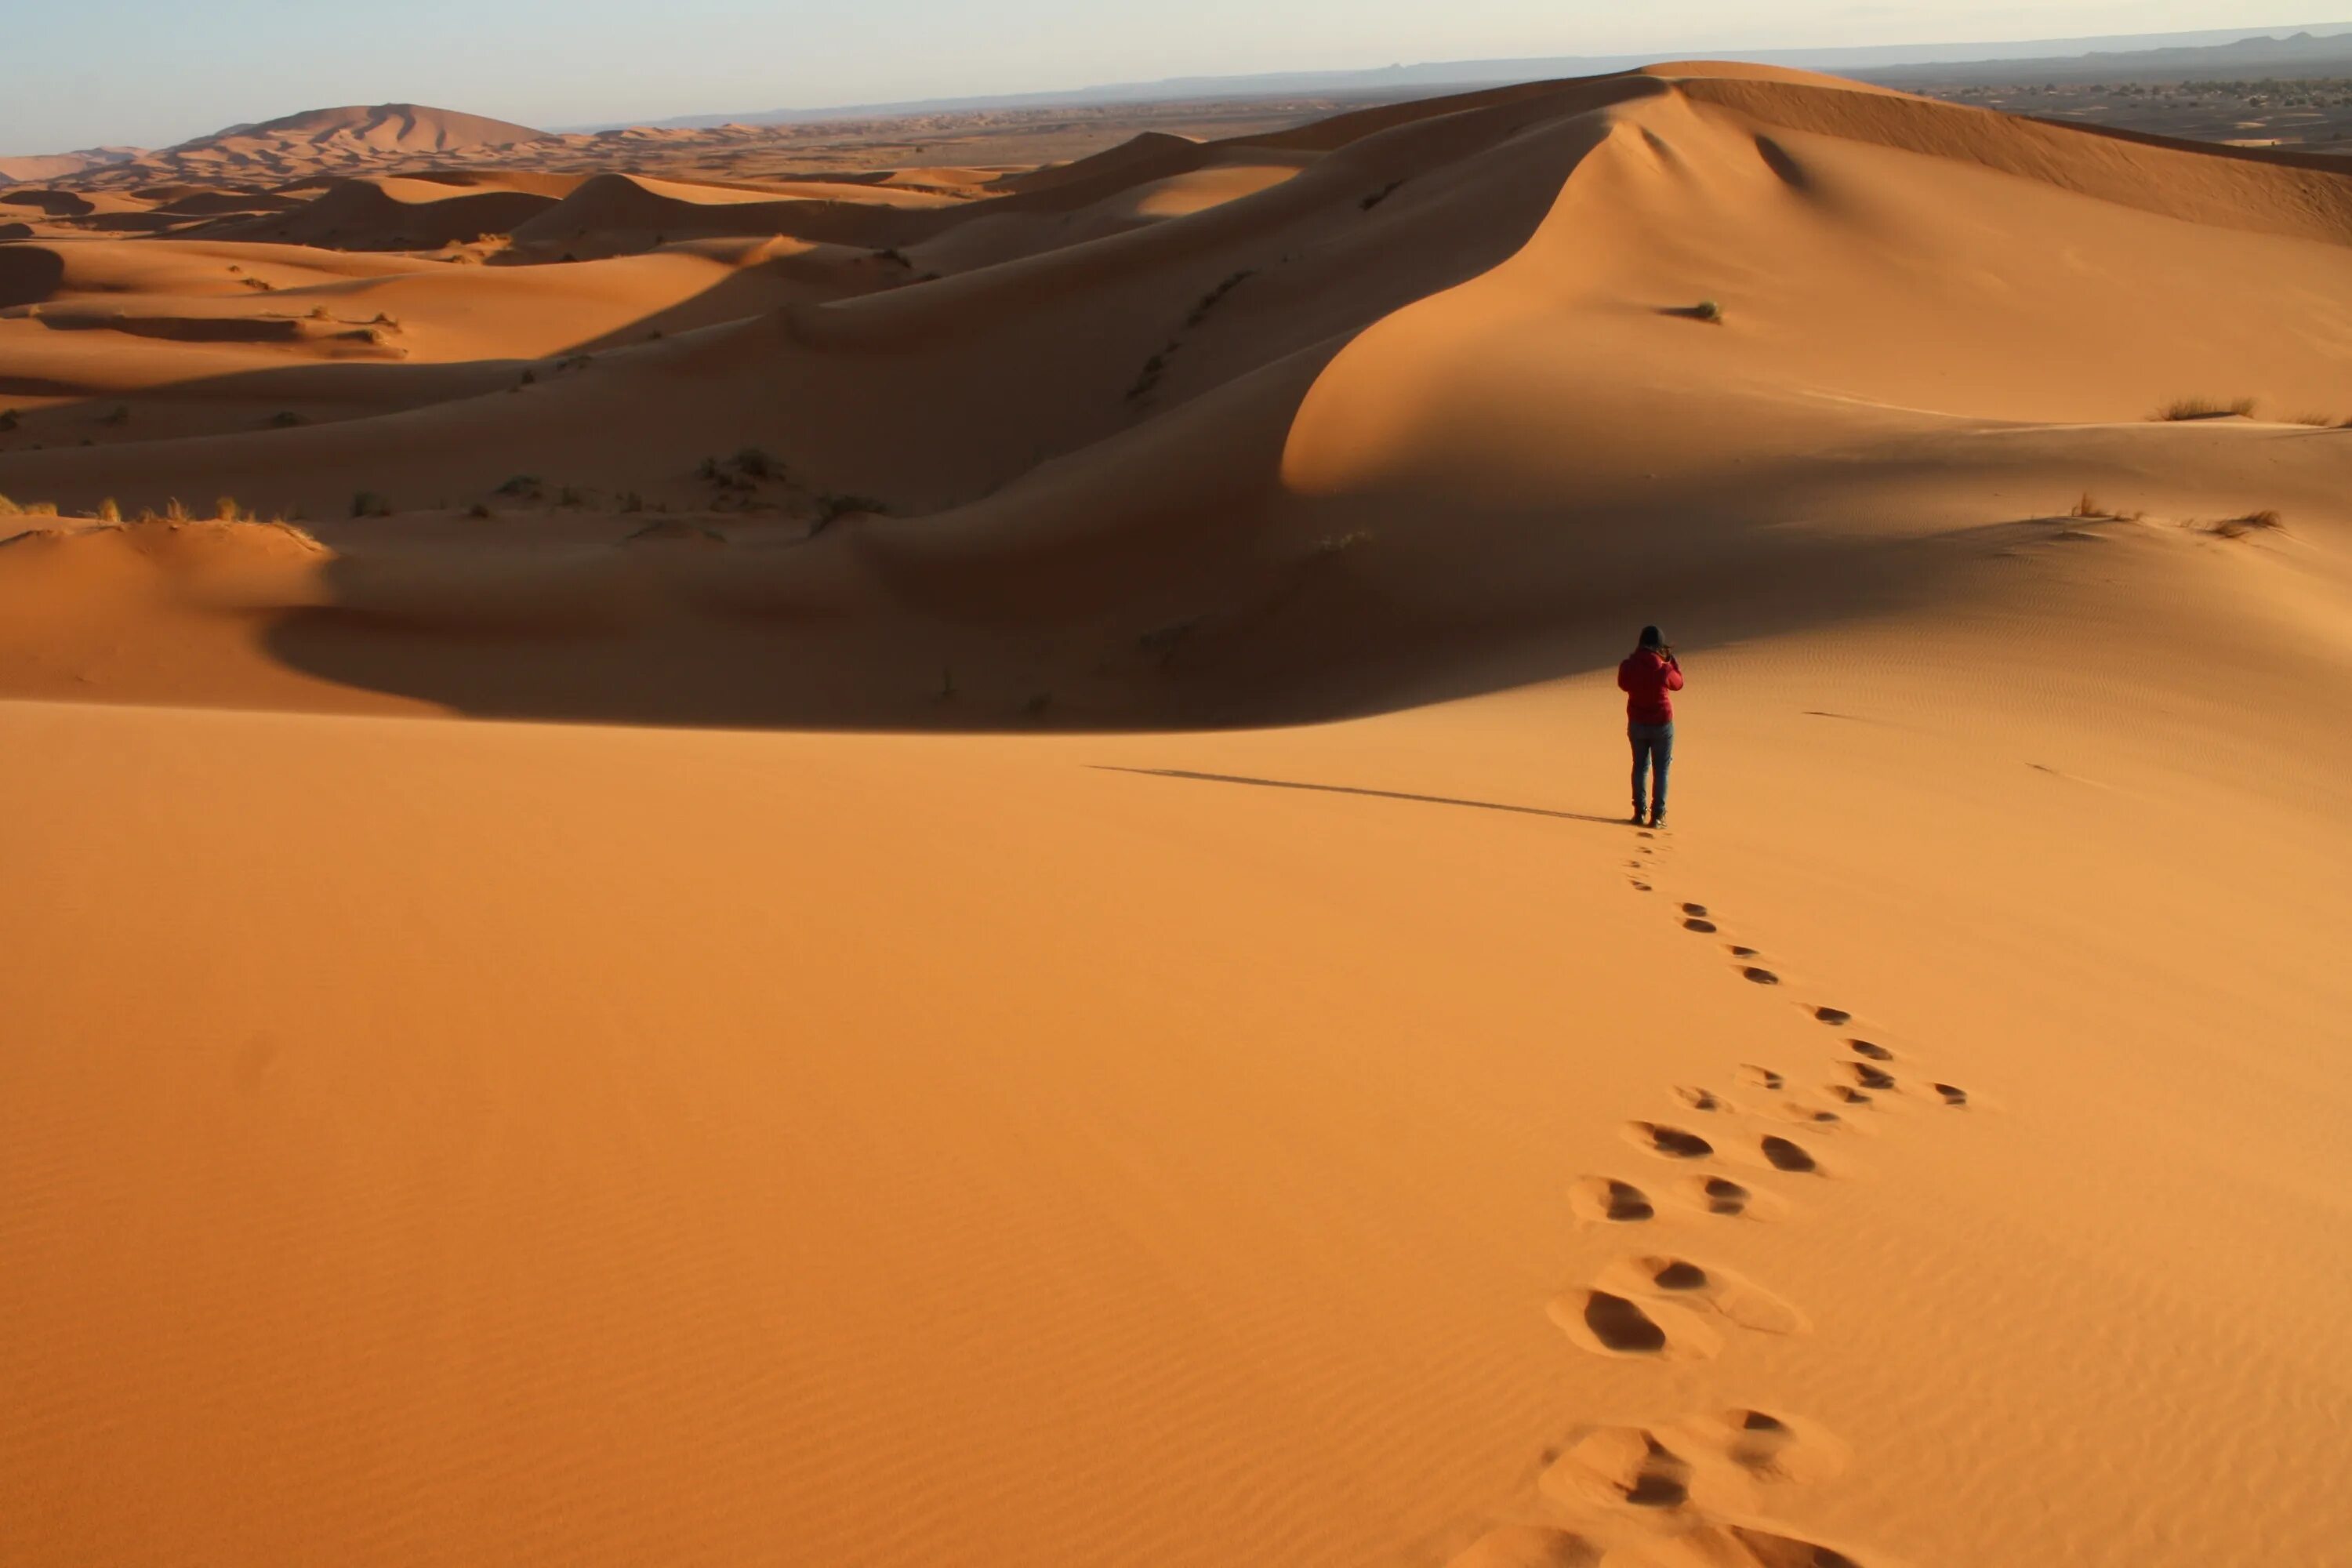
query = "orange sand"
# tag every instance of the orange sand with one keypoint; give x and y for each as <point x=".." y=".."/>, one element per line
<point x="721" y="1130"/>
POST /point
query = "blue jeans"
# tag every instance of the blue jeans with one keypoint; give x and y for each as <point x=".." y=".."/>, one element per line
<point x="1651" y="740"/>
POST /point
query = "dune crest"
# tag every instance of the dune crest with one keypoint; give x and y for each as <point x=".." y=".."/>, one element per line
<point x="930" y="864"/>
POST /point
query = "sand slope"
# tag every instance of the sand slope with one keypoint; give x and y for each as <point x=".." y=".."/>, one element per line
<point x="662" y="1138"/>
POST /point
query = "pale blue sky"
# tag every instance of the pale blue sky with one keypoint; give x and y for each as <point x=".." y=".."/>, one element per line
<point x="77" y="73"/>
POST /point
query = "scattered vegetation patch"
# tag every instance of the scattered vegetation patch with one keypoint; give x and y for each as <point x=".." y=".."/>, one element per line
<point x="522" y="486"/>
<point x="319" y="312"/>
<point x="109" y="511"/>
<point x="368" y="503"/>
<point x="1147" y="380"/>
<point x="2263" y="522"/>
<point x="1210" y="301"/>
<point x="755" y="464"/>
<point x="261" y="284"/>
<point x="1376" y="197"/>
<point x="2182" y="409"/>
<point x="567" y="496"/>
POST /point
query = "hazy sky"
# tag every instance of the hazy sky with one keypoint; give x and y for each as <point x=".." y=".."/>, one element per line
<point x="78" y="73"/>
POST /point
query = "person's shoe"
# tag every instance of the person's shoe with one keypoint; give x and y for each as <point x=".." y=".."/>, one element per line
<point x="1637" y="818"/>
<point x="1657" y="820"/>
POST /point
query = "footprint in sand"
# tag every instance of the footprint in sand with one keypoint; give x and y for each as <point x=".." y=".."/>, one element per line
<point x="1787" y="1154"/>
<point x="1657" y="1277"/>
<point x="1607" y="1199"/>
<point x="1812" y="1116"/>
<point x="1706" y="928"/>
<point x="1717" y="1462"/>
<point x="1670" y="1142"/>
<point x="1609" y="1324"/>
<point x="1832" y="1014"/>
<point x="1870" y="1076"/>
<point x="1699" y="910"/>
<point x="1641" y="886"/>
<point x="1731" y="1546"/>
<point x="1953" y="1094"/>
<point x="1849" y="1095"/>
<point x="1700" y="1098"/>
<point x="1728" y="1199"/>
<point x="1761" y="976"/>
<point x="1763" y="1078"/>
<point x="1870" y="1048"/>
<point x="1526" y="1546"/>
<point x="1631" y="1467"/>
<point x="1743" y="952"/>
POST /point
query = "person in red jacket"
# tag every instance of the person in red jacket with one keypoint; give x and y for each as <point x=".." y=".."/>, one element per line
<point x="1645" y="676"/>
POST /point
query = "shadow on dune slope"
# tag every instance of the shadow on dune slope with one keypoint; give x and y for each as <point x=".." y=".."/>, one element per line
<point x="1433" y="413"/>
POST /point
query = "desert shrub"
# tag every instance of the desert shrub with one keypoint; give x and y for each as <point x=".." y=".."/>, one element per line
<point x="2088" y="506"/>
<point x="632" y="501"/>
<point x="108" y="511"/>
<point x="520" y="485"/>
<point x="386" y="318"/>
<point x="1209" y="300"/>
<point x="2206" y="408"/>
<point x="285" y="419"/>
<point x="479" y="508"/>
<point x="1707" y="310"/>
<point x="2251" y="523"/>
<point x="570" y="497"/>
<point x="529" y="377"/>
<point x="318" y="313"/>
<point x="174" y="512"/>
<point x="1148" y="376"/>
<point x="368" y="503"/>
<point x="756" y="463"/>
<point x="2318" y="421"/>
<point x="894" y="256"/>
<point x="225" y="510"/>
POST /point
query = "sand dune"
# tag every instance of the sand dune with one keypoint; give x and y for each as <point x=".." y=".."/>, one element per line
<point x="1247" y="1097"/>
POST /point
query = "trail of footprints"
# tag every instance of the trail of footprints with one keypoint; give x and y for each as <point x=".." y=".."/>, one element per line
<point x="1688" y="1494"/>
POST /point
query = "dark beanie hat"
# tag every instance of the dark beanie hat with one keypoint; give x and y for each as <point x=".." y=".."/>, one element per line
<point x="1650" y="638"/>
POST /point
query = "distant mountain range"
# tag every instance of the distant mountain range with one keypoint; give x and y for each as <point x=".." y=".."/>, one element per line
<point x="348" y="137"/>
<point x="392" y="129"/>
<point x="2303" y="54"/>
<point x="2232" y="51"/>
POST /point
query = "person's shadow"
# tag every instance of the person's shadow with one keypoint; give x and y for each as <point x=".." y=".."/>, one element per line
<point x="1356" y="789"/>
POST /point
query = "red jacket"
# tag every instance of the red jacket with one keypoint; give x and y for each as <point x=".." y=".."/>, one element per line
<point x="1645" y="678"/>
